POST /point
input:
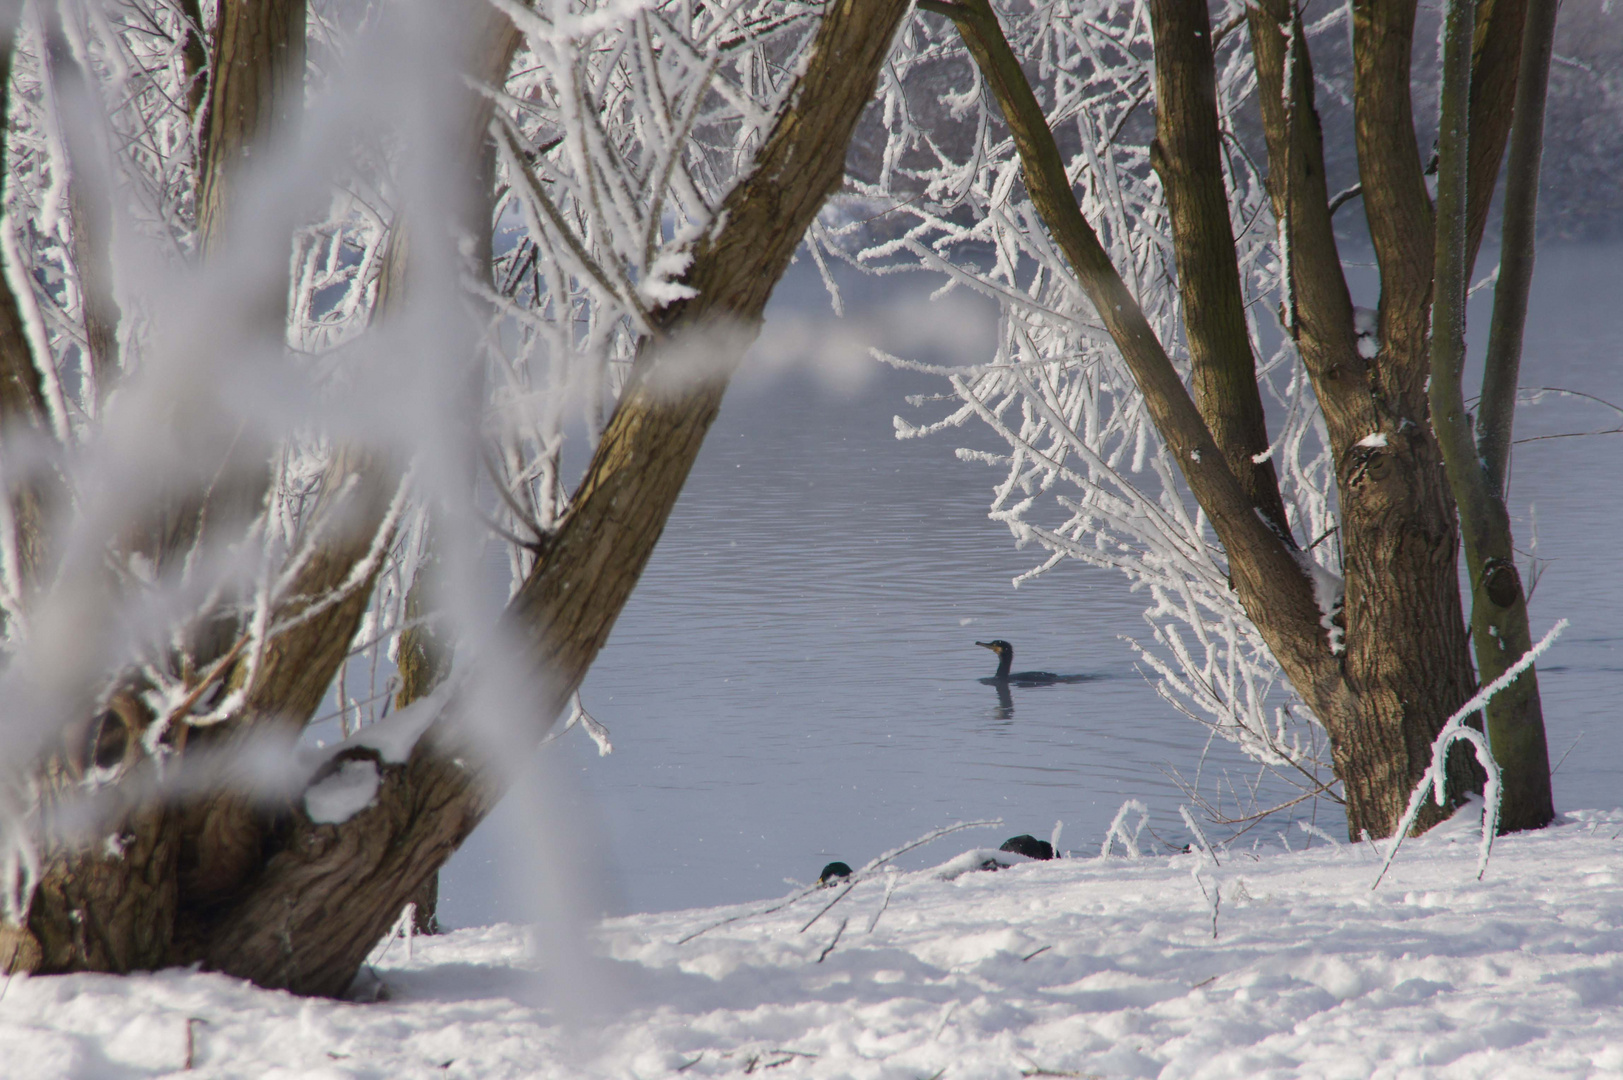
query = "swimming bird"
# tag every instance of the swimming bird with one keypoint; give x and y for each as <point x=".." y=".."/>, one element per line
<point x="1005" y="659"/>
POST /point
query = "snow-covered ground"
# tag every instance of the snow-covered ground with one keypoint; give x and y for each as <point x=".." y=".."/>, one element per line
<point x="1077" y="967"/>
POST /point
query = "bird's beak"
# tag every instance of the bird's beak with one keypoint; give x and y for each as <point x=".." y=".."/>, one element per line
<point x="987" y="645"/>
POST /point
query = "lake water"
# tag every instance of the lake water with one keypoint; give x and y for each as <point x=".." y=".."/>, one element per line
<point x="795" y="679"/>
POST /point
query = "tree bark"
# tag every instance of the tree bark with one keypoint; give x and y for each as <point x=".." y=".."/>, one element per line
<point x="327" y="896"/>
<point x="1495" y="63"/>
<point x="113" y="906"/>
<point x="257" y="92"/>
<point x="1501" y="370"/>
<point x="1406" y="646"/>
<point x="1187" y="157"/>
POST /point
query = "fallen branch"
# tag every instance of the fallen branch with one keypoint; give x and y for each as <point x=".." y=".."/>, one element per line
<point x="830" y="947"/>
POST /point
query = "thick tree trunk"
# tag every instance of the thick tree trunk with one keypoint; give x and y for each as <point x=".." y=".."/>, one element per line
<point x="106" y="895"/>
<point x="1406" y="659"/>
<point x="114" y="886"/>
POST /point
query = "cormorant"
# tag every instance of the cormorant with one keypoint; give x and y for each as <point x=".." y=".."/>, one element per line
<point x="1029" y="846"/>
<point x="1005" y="658"/>
<point x="833" y="872"/>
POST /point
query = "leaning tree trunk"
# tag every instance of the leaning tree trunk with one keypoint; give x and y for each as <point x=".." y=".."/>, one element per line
<point x="1384" y="692"/>
<point x="330" y="891"/>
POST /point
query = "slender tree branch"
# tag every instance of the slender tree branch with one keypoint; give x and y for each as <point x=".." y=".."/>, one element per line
<point x="1319" y="308"/>
<point x="1496" y="412"/>
<point x="1499" y="628"/>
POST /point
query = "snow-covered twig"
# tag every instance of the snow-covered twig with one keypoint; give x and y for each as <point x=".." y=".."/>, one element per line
<point x="1434" y="781"/>
<point x="856" y="879"/>
<point x="1118" y="829"/>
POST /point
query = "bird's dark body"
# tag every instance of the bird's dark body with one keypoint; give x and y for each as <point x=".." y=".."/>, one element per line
<point x="1029" y="846"/>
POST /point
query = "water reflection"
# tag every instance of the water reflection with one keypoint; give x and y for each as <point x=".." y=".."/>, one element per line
<point x="1005" y="699"/>
<point x="1006" y="689"/>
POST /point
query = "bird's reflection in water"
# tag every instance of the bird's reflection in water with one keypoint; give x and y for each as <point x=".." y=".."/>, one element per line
<point x="1005" y="700"/>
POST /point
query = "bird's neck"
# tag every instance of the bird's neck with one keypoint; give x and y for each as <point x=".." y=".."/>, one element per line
<point x="1004" y="662"/>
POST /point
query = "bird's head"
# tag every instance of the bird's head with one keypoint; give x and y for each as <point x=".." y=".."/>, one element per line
<point x="1000" y="646"/>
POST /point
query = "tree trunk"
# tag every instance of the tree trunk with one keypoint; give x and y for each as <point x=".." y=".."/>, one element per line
<point x="1187" y="157"/>
<point x="257" y="91"/>
<point x="332" y="891"/>
<point x="113" y="885"/>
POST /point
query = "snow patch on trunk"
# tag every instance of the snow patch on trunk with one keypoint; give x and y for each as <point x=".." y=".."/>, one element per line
<point x="1330" y="594"/>
<point x="344" y="794"/>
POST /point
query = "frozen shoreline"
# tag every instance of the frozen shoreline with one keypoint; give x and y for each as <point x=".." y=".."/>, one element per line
<point x="1081" y="967"/>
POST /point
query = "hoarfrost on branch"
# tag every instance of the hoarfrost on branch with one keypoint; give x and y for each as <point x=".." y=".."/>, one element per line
<point x="1085" y="474"/>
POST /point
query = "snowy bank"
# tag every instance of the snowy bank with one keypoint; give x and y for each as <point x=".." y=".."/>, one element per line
<point x="1078" y="967"/>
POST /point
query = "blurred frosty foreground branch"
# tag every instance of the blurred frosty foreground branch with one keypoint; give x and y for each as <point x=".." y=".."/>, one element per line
<point x="302" y="305"/>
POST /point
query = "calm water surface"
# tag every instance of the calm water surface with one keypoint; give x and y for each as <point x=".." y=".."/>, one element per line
<point x="795" y="678"/>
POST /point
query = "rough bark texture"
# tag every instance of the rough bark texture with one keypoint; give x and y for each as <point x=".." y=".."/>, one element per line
<point x="115" y="905"/>
<point x="107" y="903"/>
<point x="106" y="899"/>
<point x="1187" y="154"/>
<point x="1406" y="659"/>
<point x="257" y="91"/>
<point x="332" y="891"/>
<point x="223" y="834"/>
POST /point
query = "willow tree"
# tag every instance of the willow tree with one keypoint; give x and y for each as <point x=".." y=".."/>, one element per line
<point x="289" y="333"/>
<point x="1147" y="200"/>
